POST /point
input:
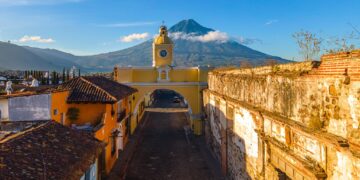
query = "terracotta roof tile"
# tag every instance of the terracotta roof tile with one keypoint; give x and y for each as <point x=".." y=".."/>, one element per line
<point x="48" y="151"/>
<point x="96" y="89"/>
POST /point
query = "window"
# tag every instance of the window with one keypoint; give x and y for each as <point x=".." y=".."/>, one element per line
<point x="163" y="75"/>
<point x="56" y="112"/>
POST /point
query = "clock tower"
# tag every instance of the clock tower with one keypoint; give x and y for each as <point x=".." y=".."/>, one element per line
<point x="162" y="49"/>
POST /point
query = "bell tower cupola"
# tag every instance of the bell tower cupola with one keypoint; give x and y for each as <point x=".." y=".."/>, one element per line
<point x="162" y="49"/>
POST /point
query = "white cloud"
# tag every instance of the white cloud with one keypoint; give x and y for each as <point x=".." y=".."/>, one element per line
<point x="134" y="37"/>
<point x="131" y="24"/>
<point x="247" y="41"/>
<point x="270" y="22"/>
<point x="38" y="39"/>
<point x="216" y="36"/>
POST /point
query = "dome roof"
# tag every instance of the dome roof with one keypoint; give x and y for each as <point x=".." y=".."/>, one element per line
<point x="162" y="38"/>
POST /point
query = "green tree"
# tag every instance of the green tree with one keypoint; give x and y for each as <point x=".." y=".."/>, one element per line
<point x="57" y="78"/>
<point x="48" y="78"/>
<point x="67" y="74"/>
<point x="53" y="77"/>
<point x="63" y="75"/>
<point x="26" y="75"/>
<point x="42" y="77"/>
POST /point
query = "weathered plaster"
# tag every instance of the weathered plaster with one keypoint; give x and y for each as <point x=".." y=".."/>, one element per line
<point x="35" y="107"/>
<point x="298" y="120"/>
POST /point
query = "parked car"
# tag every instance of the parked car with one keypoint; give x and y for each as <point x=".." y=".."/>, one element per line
<point x="176" y="99"/>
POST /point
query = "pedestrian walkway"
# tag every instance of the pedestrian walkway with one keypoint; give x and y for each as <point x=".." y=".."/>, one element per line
<point x="168" y="152"/>
<point x="119" y="170"/>
<point x="168" y="110"/>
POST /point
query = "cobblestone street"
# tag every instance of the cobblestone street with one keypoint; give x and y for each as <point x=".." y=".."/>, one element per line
<point x="166" y="152"/>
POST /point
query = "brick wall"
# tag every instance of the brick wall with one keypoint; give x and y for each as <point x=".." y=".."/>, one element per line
<point x="346" y="63"/>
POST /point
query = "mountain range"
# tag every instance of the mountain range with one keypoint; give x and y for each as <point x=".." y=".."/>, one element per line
<point x="194" y="45"/>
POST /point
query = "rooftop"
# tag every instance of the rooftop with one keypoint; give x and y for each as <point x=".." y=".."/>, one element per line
<point x="46" y="150"/>
<point x="96" y="89"/>
<point x="22" y="90"/>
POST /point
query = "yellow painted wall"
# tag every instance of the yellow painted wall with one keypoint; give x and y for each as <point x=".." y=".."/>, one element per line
<point x="110" y="124"/>
<point x="58" y="102"/>
<point x="125" y="74"/>
<point x="203" y="75"/>
<point x="150" y="75"/>
<point x="93" y="113"/>
<point x="184" y="75"/>
<point x="144" y="75"/>
<point x="162" y="61"/>
<point x="88" y="113"/>
<point x="138" y="114"/>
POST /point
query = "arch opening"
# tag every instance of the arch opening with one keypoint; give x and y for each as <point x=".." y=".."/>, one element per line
<point x="166" y="98"/>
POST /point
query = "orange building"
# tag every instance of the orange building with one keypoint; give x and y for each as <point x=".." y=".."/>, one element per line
<point x="99" y="105"/>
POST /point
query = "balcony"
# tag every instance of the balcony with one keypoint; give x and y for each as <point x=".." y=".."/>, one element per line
<point x="95" y="127"/>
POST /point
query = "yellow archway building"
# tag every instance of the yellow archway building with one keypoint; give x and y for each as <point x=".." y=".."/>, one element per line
<point x="187" y="81"/>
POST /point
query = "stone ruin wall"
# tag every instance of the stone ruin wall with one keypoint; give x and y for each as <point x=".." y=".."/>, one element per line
<point x="299" y="120"/>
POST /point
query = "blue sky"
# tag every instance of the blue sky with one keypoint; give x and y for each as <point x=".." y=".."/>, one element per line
<point x="85" y="27"/>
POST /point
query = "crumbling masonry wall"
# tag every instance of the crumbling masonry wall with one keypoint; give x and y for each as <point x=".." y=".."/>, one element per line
<point x="299" y="120"/>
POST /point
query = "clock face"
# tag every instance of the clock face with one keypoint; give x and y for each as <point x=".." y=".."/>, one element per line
<point x="163" y="53"/>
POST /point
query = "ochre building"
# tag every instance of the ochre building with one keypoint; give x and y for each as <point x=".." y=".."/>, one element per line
<point x="98" y="105"/>
<point x="290" y="121"/>
<point x="187" y="81"/>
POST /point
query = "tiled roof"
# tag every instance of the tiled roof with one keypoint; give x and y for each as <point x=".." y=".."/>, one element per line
<point x="21" y="87"/>
<point x="96" y="89"/>
<point x="48" y="151"/>
<point x="22" y="90"/>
